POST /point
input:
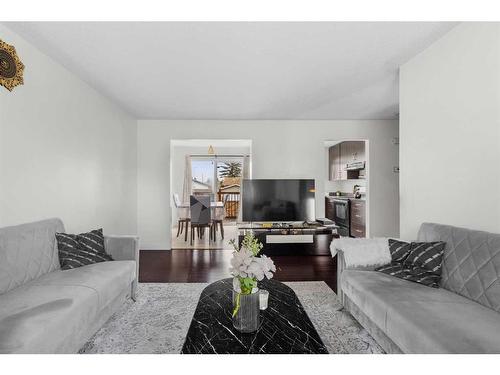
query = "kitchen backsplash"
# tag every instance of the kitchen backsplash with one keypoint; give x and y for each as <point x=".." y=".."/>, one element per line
<point x="346" y="186"/>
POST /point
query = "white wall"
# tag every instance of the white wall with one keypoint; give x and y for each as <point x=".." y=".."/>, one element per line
<point x="65" y="150"/>
<point x="450" y="131"/>
<point x="280" y="149"/>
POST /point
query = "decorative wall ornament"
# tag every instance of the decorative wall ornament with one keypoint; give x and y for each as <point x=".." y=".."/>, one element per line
<point x="11" y="67"/>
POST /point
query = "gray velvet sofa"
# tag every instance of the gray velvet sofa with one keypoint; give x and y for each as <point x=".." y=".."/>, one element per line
<point x="46" y="310"/>
<point x="462" y="316"/>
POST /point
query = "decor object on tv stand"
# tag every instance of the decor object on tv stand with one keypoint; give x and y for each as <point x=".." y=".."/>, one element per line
<point x="247" y="269"/>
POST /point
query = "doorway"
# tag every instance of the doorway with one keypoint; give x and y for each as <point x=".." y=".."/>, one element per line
<point x="208" y="168"/>
<point x="347" y="186"/>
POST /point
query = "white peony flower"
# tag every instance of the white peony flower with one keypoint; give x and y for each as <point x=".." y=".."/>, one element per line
<point x="266" y="265"/>
<point x="245" y="264"/>
<point x="240" y="262"/>
<point x="256" y="270"/>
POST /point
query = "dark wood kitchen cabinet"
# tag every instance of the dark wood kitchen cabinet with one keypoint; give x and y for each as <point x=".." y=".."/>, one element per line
<point x="334" y="163"/>
<point x="342" y="154"/>
<point x="329" y="210"/>
<point x="358" y="218"/>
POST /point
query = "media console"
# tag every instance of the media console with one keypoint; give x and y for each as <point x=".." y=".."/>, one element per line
<point x="304" y="239"/>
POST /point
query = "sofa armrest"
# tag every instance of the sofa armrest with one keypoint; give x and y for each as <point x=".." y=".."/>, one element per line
<point x="341" y="267"/>
<point x="124" y="248"/>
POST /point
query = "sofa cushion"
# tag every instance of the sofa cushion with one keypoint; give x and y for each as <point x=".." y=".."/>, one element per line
<point x="55" y="312"/>
<point x="107" y="279"/>
<point x="45" y="318"/>
<point x="420" y="319"/>
<point x="27" y="252"/>
<point x="471" y="262"/>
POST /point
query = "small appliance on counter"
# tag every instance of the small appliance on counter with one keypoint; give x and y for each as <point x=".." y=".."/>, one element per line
<point x="359" y="191"/>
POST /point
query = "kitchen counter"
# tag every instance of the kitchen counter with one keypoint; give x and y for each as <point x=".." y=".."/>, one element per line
<point x="346" y="197"/>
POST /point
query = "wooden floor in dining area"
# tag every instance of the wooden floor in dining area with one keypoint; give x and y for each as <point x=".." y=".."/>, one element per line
<point x="205" y="243"/>
<point x="190" y="265"/>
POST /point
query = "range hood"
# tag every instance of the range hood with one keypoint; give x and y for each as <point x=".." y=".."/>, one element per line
<point x="355" y="166"/>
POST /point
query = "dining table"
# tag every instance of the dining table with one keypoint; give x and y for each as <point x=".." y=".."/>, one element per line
<point x="215" y="206"/>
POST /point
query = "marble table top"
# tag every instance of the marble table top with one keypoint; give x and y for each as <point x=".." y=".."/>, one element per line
<point x="284" y="325"/>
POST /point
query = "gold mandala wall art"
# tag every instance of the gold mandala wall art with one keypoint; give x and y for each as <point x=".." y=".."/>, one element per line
<point x="11" y="67"/>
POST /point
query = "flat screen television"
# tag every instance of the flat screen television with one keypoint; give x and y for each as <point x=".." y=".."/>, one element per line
<point x="278" y="200"/>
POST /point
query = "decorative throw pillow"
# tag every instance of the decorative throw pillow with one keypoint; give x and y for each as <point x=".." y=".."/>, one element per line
<point x="419" y="262"/>
<point x="417" y="275"/>
<point x="76" y="250"/>
<point x="426" y="255"/>
<point x="399" y="250"/>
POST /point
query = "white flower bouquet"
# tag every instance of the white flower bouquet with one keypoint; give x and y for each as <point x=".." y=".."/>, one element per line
<point x="247" y="268"/>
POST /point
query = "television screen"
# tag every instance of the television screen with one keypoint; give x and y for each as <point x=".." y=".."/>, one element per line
<point x="278" y="200"/>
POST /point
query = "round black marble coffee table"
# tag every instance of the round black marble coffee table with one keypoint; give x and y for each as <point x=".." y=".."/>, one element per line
<point x="284" y="325"/>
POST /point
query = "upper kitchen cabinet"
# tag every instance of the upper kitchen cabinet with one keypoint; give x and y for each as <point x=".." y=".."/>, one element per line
<point x="346" y="160"/>
<point x="334" y="164"/>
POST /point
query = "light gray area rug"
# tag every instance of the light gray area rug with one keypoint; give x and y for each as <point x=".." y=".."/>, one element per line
<point x="158" y="322"/>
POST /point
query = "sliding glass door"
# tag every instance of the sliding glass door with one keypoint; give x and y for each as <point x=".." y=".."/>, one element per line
<point x="203" y="175"/>
<point x="220" y="176"/>
<point x="229" y="176"/>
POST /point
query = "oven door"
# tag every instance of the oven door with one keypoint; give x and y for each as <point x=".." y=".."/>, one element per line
<point x="343" y="231"/>
<point x="341" y="212"/>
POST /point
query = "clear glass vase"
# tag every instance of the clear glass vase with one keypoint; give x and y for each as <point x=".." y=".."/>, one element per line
<point x="247" y="318"/>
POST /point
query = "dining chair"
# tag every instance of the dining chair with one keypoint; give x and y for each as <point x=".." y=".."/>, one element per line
<point x="201" y="215"/>
<point x="183" y="215"/>
<point x="218" y="218"/>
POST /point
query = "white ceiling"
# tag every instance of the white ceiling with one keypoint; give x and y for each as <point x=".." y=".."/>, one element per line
<point x="215" y="70"/>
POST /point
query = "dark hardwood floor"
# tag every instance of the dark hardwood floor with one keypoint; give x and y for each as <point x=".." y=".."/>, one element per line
<point x="211" y="265"/>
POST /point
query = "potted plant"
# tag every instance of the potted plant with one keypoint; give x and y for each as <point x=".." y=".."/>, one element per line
<point x="247" y="269"/>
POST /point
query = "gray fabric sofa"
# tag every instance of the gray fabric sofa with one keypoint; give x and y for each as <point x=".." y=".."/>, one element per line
<point x="46" y="310"/>
<point x="462" y="316"/>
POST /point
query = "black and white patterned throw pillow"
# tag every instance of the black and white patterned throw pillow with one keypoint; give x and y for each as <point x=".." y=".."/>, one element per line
<point x="76" y="250"/>
<point x="415" y="274"/>
<point x="421" y="264"/>
<point x="426" y="255"/>
<point x="399" y="250"/>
